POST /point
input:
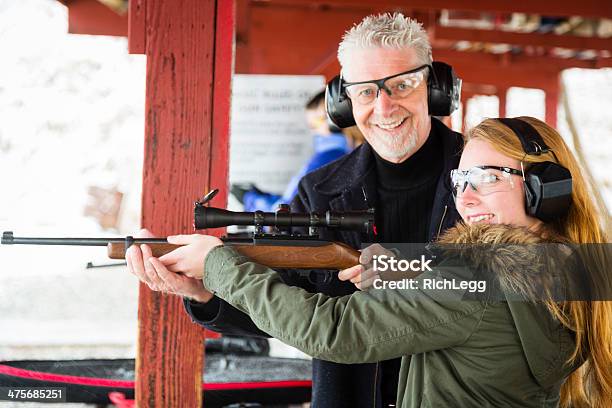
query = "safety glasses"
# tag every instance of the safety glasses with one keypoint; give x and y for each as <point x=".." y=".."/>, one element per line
<point x="483" y="179"/>
<point x="397" y="86"/>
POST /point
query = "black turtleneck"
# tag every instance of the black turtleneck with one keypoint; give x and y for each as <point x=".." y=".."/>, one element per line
<point x="406" y="192"/>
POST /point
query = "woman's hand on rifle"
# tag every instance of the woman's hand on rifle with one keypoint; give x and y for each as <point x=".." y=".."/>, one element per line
<point x="189" y="258"/>
<point x="161" y="278"/>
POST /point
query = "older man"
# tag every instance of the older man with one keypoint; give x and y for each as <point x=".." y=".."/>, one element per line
<point x="402" y="171"/>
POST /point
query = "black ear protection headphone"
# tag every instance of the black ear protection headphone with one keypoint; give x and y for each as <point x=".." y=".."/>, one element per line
<point x="443" y="93"/>
<point x="548" y="185"/>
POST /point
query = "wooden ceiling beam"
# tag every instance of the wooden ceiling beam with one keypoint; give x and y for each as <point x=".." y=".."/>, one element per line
<point x="269" y="43"/>
<point x="506" y="77"/>
<point x="504" y="60"/>
<point x="547" y="40"/>
<point x="586" y="8"/>
<point x="478" y="89"/>
<point x="243" y="28"/>
<point x="274" y="44"/>
<point x="137" y="29"/>
<point x="499" y="71"/>
<point x="94" y="18"/>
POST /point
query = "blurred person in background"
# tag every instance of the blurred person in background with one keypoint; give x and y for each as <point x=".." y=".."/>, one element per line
<point x="329" y="144"/>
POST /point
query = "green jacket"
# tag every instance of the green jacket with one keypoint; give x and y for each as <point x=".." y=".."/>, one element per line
<point x="457" y="353"/>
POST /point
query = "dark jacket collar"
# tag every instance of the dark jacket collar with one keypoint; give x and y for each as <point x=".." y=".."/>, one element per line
<point x="356" y="165"/>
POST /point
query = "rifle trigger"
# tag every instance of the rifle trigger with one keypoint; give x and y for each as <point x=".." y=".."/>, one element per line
<point x="328" y="276"/>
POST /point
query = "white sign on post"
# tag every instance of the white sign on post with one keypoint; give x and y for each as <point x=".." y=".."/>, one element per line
<point x="270" y="140"/>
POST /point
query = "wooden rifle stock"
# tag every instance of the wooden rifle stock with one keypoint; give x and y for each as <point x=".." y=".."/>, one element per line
<point x="116" y="250"/>
<point x="332" y="255"/>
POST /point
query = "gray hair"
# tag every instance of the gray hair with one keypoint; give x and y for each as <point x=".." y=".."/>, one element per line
<point x="386" y="31"/>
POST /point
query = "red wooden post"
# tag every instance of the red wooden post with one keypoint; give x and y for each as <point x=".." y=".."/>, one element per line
<point x="465" y="98"/>
<point x="189" y="48"/>
<point x="243" y="26"/>
<point x="136" y="27"/>
<point x="502" y="95"/>
<point x="552" y="101"/>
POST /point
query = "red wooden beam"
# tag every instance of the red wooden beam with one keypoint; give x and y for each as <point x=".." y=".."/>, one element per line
<point x="270" y="44"/>
<point x="587" y="8"/>
<point x="503" y="78"/>
<point x="502" y="95"/>
<point x="221" y="101"/>
<point x="478" y="89"/>
<point x="137" y="38"/>
<point x="275" y="45"/>
<point x="188" y="49"/>
<point x="524" y="61"/>
<point x="551" y="101"/>
<point x="505" y="70"/>
<point x="501" y="75"/>
<point x="547" y="40"/>
<point x="243" y="27"/>
<point x="92" y="17"/>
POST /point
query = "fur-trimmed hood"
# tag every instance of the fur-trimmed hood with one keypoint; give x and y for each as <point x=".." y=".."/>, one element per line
<point x="528" y="267"/>
<point x="521" y="261"/>
<point x="496" y="234"/>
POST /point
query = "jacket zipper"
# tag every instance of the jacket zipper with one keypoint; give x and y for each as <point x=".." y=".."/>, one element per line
<point x="375" y="386"/>
<point x="442" y="221"/>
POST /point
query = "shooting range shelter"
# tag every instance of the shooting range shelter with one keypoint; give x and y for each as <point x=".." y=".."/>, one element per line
<point x="193" y="47"/>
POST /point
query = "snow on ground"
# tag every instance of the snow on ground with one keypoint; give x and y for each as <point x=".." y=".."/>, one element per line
<point x="71" y="116"/>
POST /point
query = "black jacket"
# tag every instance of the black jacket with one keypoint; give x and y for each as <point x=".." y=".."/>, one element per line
<point x="348" y="183"/>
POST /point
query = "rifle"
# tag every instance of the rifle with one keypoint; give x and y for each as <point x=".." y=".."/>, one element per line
<point x="280" y="248"/>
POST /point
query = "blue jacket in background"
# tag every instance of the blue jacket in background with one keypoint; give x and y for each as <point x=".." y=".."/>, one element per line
<point x="326" y="149"/>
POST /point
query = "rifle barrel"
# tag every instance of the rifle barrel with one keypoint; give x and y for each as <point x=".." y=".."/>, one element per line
<point x="9" y="239"/>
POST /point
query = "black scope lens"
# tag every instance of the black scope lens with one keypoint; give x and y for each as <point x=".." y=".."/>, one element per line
<point x="210" y="217"/>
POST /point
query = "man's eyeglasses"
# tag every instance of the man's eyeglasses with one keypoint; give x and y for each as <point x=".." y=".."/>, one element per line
<point x="397" y="86"/>
<point x="483" y="179"/>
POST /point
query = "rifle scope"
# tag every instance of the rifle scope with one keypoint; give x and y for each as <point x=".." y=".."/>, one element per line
<point x="210" y="217"/>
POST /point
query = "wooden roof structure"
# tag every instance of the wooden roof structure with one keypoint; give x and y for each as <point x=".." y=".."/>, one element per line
<point x="530" y="56"/>
<point x="193" y="47"/>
